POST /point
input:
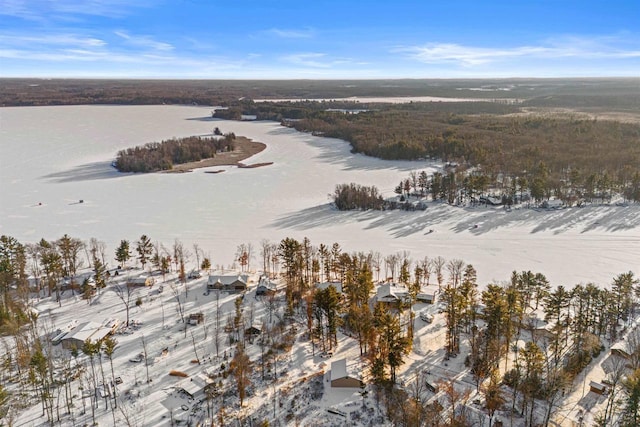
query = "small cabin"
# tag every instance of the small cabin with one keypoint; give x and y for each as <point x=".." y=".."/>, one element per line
<point x="597" y="388"/>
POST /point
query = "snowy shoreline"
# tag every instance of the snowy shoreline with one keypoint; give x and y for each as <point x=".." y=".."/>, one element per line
<point x="286" y="199"/>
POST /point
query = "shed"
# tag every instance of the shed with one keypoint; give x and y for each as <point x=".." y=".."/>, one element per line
<point x="597" y="388"/>
<point x="340" y="376"/>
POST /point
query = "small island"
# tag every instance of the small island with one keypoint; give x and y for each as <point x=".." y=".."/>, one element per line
<point x="186" y="154"/>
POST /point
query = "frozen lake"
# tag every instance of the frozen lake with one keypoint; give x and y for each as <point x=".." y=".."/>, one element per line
<point x="51" y="157"/>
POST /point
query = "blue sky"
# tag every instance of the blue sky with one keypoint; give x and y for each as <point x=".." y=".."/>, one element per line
<point x="319" y="38"/>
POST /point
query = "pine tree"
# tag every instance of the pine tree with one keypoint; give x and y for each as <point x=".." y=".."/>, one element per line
<point x="144" y="249"/>
<point x="122" y="253"/>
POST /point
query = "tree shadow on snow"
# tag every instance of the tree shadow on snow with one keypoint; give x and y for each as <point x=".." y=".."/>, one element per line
<point x="85" y="172"/>
<point x="475" y="221"/>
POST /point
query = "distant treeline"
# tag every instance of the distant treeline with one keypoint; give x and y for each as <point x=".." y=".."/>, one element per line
<point x="158" y="156"/>
<point x="601" y="94"/>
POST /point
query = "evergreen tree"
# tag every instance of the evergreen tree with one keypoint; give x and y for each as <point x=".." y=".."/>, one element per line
<point x="144" y="249"/>
<point x="122" y="253"/>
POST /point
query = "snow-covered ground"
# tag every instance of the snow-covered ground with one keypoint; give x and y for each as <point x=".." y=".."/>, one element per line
<point x="53" y="157"/>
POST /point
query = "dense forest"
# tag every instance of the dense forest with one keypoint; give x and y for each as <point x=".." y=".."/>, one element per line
<point x="159" y="156"/>
<point x="592" y="94"/>
<point x="548" y="156"/>
<point x="496" y="328"/>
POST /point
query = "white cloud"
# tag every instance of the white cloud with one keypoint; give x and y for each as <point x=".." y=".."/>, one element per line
<point x="308" y="59"/>
<point x="51" y="40"/>
<point x="292" y="34"/>
<point x="572" y="47"/>
<point x="318" y="60"/>
<point x="144" y="41"/>
<point x="47" y="9"/>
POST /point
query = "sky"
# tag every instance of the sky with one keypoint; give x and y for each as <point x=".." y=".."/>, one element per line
<point x="319" y="39"/>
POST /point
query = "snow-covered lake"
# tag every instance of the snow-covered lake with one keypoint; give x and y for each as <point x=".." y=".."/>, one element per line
<point x="52" y="157"/>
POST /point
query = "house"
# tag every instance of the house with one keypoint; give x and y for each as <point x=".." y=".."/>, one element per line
<point x="229" y="283"/>
<point x="84" y="331"/>
<point x="340" y="377"/>
<point x="195" y="385"/>
<point x="196" y="318"/>
<point x="621" y="349"/>
<point x="266" y="286"/>
<point x="390" y="293"/>
<point x="59" y="334"/>
<point x="141" y="281"/>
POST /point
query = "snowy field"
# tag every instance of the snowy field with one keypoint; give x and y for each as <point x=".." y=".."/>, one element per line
<point x="52" y="157"/>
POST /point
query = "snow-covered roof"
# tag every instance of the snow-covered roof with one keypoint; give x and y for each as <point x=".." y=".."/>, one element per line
<point x="194" y="384"/>
<point x="389" y="292"/>
<point x="338" y="369"/>
<point x="325" y="285"/>
<point x="621" y="347"/>
<point x="264" y="281"/>
<point x="228" y="279"/>
<point x="87" y="330"/>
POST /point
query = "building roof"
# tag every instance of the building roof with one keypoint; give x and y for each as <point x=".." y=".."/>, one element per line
<point x="621" y="347"/>
<point x="228" y="279"/>
<point x="325" y="285"/>
<point x="264" y="281"/>
<point x="338" y="369"/>
<point x="194" y="384"/>
<point x="87" y="330"/>
<point x="389" y="292"/>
